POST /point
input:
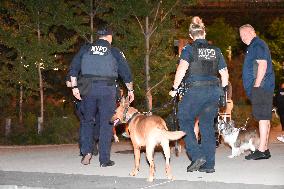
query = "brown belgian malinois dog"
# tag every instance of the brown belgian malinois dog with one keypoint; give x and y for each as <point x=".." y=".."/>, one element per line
<point x="148" y="131"/>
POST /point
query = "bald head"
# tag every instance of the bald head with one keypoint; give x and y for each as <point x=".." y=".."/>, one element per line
<point x="247" y="33"/>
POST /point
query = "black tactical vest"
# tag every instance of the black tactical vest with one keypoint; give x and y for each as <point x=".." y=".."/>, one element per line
<point x="205" y="61"/>
<point x="99" y="62"/>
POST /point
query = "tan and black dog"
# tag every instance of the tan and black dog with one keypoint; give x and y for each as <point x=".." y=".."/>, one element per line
<point x="148" y="131"/>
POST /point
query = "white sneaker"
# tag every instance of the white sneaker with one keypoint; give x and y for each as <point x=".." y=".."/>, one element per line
<point x="281" y="138"/>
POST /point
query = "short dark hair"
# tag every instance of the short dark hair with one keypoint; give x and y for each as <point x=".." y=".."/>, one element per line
<point x="104" y="30"/>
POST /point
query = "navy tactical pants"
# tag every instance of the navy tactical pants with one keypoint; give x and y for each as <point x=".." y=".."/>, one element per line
<point x="201" y="102"/>
<point x="100" y="102"/>
<point x="96" y="128"/>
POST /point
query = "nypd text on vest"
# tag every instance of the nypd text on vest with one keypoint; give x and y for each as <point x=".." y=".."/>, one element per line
<point x="206" y="53"/>
<point x="98" y="50"/>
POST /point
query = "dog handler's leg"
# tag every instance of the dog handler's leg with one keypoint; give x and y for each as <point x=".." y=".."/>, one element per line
<point x="264" y="128"/>
<point x="166" y="148"/>
<point x="137" y="161"/>
<point x="149" y="154"/>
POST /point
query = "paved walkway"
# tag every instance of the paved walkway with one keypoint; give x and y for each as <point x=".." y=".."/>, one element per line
<point x="58" y="166"/>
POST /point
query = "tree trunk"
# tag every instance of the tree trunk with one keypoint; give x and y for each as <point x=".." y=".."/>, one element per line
<point x="40" y="79"/>
<point x="8" y="127"/>
<point x="21" y="106"/>
<point x="147" y="67"/>
<point x="92" y="20"/>
<point x="41" y="96"/>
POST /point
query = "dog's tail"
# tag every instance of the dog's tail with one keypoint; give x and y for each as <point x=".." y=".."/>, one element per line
<point x="173" y="135"/>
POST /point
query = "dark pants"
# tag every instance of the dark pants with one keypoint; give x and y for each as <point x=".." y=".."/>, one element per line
<point x="201" y="102"/>
<point x="281" y="116"/>
<point x="99" y="104"/>
<point x="96" y="128"/>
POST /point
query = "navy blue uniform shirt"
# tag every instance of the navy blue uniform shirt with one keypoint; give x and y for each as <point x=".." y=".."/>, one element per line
<point x="187" y="55"/>
<point x="257" y="50"/>
<point x="123" y="67"/>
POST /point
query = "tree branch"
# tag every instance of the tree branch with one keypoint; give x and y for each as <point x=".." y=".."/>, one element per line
<point x="164" y="17"/>
<point x="164" y="77"/>
<point x="140" y="24"/>
<point x="156" y="15"/>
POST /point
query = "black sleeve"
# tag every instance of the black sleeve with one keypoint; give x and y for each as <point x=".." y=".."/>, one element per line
<point x="123" y="68"/>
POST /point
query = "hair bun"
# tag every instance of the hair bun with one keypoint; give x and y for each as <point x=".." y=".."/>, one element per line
<point x="196" y="20"/>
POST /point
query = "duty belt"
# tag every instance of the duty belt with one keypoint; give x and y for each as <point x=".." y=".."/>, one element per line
<point x="201" y="84"/>
<point x="100" y="79"/>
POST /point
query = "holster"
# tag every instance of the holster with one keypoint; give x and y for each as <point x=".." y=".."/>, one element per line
<point x="84" y="85"/>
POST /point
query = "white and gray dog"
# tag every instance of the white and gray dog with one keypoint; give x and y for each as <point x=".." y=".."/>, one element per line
<point x="239" y="139"/>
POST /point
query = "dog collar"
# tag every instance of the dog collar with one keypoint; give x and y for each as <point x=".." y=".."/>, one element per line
<point x="136" y="113"/>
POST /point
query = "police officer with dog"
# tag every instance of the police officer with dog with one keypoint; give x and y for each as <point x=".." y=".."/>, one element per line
<point x="199" y="66"/>
<point x="100" y="65"/>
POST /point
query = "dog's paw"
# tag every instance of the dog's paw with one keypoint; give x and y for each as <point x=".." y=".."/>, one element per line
<point x="116" y="139"/>
<point x="133" y="173"/>
<point x="150" y="179"/>
<point x="170" y="177"/>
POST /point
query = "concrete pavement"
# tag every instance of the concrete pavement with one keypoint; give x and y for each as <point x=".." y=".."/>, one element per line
<point x="58" y="166"/>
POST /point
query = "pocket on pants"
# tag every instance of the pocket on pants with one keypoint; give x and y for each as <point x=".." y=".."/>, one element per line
<point x="256" y="95"/>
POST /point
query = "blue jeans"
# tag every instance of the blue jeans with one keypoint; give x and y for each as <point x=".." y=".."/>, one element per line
<point x="100" y="101"/>
<point x="201" y="102"/>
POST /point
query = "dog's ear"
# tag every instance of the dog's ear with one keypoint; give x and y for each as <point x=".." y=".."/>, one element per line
<point x="126" y="104"/>
<point x="122" y="101"/>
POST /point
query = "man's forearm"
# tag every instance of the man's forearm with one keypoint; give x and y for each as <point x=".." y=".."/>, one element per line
<point x="224" y="76"/>
<point x="261" y="70"/>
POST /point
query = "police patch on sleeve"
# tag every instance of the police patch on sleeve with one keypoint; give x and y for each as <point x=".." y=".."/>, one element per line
<point x="122" y="54"/>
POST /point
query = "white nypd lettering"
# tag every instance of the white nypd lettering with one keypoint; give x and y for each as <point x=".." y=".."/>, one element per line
<point x="206" y="53"/>
<point x="99" y="50"/>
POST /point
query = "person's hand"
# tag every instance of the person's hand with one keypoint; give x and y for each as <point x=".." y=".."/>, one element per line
<point x="68" y="84"/>
<point x="131" y="95"/>
<point x="76" y="93"/>
<point x="173" y="93"/>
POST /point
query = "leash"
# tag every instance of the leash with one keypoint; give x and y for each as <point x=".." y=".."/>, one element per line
<point x="160" y="108"/>
<point x="245" y="125"/>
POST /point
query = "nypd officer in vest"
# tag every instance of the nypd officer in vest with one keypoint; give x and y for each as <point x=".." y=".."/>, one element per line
<point x="199" y="66"/>
<point x="100" y="65"/>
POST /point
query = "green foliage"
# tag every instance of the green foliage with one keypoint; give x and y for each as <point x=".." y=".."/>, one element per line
<point x="129" y="20"/>
<point x="276" y="45"/>
<point x="59" y="130"/>
<point x="222" y="35"/>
